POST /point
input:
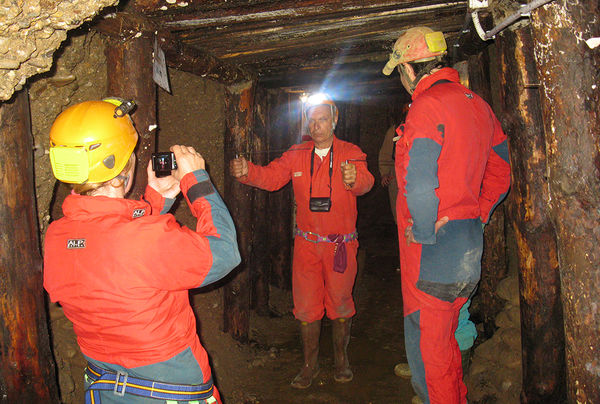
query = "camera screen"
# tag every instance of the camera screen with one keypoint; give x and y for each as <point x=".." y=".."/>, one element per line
<point x="163" y="163"/>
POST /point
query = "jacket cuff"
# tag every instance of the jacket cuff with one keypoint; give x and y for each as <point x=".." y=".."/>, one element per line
<point x="159" y="204"/>
<point x="196" y="185"/>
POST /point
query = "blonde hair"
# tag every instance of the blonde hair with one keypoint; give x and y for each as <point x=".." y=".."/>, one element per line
<point x="87" y="188"/>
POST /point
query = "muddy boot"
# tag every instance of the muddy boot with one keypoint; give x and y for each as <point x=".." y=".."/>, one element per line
<point x="310" y="343"/>
<point x="341" y="338"/>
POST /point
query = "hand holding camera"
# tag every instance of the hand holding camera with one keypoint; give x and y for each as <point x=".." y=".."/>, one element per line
<point x="167" y="186"/>
<point x="188" y="160"/>
<point x="166" y="169"/>
<point x="238" y="167"/>
<point x="348" y="174"/>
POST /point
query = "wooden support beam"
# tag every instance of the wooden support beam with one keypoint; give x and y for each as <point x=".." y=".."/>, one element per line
<point x="568" y="62"/>
<point x="126" y="27"/>
<point x="239" y="127"/>
<point x="200" y="62"/>
<point x="27" y="369"/>
<point x="129" y="67"/>
<point x="280" y="136"/>
<point x="542" y="334"/>
<point x="261" y="216"/>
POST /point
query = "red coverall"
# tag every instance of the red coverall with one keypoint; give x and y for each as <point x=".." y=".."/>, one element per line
<point x="317" y="288"/>
<point x="121" y="271"/>
<point x="451" y="160"/>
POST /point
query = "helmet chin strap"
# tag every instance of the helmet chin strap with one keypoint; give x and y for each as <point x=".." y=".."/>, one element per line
<point x="412" y="84"/>
<point x="426" y="70"/>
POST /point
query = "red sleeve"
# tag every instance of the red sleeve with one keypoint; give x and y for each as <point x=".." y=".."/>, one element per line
<point x="158" y="204"/>
<point x="195" y="258"/>
<point x="272" y="176"/>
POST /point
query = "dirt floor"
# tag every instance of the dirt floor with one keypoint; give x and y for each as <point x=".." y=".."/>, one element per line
<point x="260" y="372"/>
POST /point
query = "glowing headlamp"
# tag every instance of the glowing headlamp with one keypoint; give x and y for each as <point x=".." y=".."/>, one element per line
<point x="317" y="99"/>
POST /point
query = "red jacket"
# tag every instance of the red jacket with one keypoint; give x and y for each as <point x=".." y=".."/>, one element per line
<point x="122" y="272"/>
<point x="294" y="164"/>
<point x="451" y="158"/>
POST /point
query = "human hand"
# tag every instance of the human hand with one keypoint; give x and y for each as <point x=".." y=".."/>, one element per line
<point x="348" y="174"/>
<point x="408" y="233"/>
<point x="168" y="186"/>
<point x="238" y="167"/>
<point x="188" y="160"/>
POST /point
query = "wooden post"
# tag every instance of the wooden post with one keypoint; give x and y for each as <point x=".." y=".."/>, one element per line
<point x="27" y="369"/>
<point x="568" y="66"/>
<point x="493" y="262"/>
<point x="261" y="216"/>
<point x="280" y="137"/>
<point x="239" y="125"/>
<point x="542" y="334"/>
<point x="129" y="66"/>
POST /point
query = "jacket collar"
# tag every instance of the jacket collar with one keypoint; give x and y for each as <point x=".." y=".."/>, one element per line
<point x="446" y="73"/>
<point x="82" y="206"/>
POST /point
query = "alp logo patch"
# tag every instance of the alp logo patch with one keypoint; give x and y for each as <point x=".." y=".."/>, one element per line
<point x="469" y="96"/>
<point x="75" y="243"/>
<point x="138" y="213"/>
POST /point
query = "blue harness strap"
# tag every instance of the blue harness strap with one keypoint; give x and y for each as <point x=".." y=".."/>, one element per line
<point x="121" y="383"/>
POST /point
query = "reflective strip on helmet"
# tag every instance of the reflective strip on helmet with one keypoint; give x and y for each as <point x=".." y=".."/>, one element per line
<point x="436" y="41"/>
<point x="69" y="164"/>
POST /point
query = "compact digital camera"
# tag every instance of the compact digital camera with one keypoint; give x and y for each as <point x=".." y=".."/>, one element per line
<point x="319" y="204"/>
<point x="163" y="163"/>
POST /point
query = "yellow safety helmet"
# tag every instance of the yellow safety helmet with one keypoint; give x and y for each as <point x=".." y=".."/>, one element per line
<point x="321" y="99"/>
<point x="417" y="44"/>
<point x="92" y="141"/>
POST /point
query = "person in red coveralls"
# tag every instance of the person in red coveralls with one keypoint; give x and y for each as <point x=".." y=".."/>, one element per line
<point x="327" y="175"/>
<point x="452" y="168"/>
<point x="121" y="268"/>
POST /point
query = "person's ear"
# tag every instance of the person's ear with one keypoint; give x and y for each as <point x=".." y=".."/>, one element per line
<point x="119" y="181"/>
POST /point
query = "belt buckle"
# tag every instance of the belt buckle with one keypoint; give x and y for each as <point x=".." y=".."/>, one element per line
<point x="115" y="390"/>
<point x="310" y="233"/>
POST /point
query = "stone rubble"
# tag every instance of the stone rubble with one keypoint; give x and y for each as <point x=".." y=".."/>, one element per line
<point x="30" y="33"/>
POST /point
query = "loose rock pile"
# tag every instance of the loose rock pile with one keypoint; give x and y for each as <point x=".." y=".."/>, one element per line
<point x="496" y="372"/>
<point x="30" y="32"/>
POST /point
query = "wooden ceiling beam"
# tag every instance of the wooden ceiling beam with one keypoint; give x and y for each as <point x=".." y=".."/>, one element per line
<point x="314" y="26"/>
<point x="341" y="78"/>
<point x="196" y="14"/>
<point x="200" y="62"/>
<point x="251" y="46"/>
<point x="125" y="26"/>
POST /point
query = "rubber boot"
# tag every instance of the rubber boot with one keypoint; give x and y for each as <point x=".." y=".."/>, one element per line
<point x="310" y="333"/>
<point x="341" y="338"/>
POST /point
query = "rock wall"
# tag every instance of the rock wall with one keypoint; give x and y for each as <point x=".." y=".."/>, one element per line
<point x="193" y="114"/>
<point x="30" y="33"/>
<point x="79" y="74"/>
